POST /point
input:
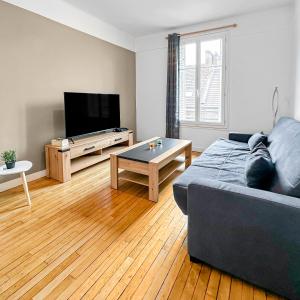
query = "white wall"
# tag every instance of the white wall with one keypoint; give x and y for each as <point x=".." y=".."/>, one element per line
<point x="297" y="57"/>
<point x="259" y="59"/>
<point x="65" y="13"/>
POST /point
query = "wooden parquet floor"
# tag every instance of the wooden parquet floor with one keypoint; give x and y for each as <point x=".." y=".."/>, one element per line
<point x="83" y="240"/>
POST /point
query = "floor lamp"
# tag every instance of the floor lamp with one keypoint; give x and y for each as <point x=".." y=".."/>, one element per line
<point x="275" y="104"/>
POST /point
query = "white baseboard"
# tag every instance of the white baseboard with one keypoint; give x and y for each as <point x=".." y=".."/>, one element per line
<point x="197" y="149"/>
<point x="16" y="182"/>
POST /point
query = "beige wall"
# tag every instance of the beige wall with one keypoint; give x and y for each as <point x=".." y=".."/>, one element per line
<point x="39" y="60"/>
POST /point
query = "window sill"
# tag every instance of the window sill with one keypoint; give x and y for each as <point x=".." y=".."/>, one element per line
<point x="204" y="125"/>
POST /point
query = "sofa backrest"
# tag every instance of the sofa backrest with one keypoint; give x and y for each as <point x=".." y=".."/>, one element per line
<point x="284" y="148"/>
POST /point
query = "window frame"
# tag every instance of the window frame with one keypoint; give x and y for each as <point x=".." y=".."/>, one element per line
<point x="224" y="101"/>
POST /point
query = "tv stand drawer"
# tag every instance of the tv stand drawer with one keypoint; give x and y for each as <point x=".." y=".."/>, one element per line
<point x="84" y="149"/>
<point x="87" y="148"/>
<point x="119" y="139"/>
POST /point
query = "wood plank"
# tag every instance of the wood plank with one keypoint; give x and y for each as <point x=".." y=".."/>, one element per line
<point x="259" y="294"/>
<point x="224" y="288"/>
<point x="168" y="283"/>
<point x="181" y="279"/>
<point x="202" y="283"/>
<point x="188" y="155"/>
<point x="191" y="282"/>
<point x="213" y="285"/>
<point x="141" y="253"/>
<point x="164" y="260"/>
<point x="114" y="173"/>
<point x="134" y="177"/>
<point x="133" y="166"/>
<point x="153" y="182"/>
<point x="247" y="291"/>
<point x="236" y="289"/>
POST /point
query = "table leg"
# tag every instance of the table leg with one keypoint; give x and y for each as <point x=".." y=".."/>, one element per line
<point x="25" y="186"/>
<point x="114" y="171"/>
<point x="153" y="182"/>
<point x="188" y="155"/>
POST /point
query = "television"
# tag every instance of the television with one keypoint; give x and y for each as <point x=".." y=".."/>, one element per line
<point x="90" y="113"/>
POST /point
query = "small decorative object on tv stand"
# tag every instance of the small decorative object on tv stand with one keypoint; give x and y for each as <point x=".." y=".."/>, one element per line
<point x="61" y="143"/>
<point x="85" y="152"/>
<point x="120" y="129"/>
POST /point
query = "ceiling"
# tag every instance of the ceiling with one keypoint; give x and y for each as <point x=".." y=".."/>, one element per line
<point x="142" y="17"/>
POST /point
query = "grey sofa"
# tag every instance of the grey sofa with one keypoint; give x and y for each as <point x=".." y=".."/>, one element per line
<point x="252" y="234"/>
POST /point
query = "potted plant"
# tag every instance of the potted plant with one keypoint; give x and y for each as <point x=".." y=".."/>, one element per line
<point x="9" y="157"/>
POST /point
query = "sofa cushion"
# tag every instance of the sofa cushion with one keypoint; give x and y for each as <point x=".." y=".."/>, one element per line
<point x="255" y="139"/>
<point x="259" y="168"/>
<point x="285" y="152"/>
<point x="224" y="160"/>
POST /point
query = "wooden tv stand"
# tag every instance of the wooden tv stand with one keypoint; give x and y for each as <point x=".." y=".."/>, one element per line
<point x="60" y="164"/>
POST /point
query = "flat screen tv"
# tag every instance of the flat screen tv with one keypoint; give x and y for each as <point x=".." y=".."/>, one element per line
<point x="90" y="113"/>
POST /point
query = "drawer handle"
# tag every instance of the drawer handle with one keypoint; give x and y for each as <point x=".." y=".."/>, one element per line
<point x="89" y="148"/>
<point x="118" y="139"/>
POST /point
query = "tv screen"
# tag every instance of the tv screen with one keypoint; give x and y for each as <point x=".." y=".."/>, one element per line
<point x="89" y="113"/>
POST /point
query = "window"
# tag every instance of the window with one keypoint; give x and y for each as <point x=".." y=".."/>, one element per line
<point x="202" y="80"/>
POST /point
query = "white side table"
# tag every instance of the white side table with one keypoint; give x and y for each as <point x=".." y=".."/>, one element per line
<point x="20" y="168"/>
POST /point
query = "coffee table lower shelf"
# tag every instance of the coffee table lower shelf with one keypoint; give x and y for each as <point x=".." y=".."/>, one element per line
<point x="164" y="173"/>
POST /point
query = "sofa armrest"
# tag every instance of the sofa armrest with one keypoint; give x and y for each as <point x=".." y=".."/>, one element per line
<point x="252" y="234"/>
<point x="239" y="137"/>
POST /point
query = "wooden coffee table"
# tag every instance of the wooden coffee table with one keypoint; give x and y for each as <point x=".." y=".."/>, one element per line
<point x="148" y="167"/>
